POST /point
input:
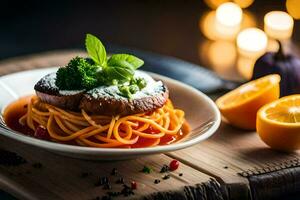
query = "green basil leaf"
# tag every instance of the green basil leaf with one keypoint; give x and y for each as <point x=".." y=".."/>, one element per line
<point x="95" y="49"/>
<point x="121" y="74"/>
<point x="125" y="60"/>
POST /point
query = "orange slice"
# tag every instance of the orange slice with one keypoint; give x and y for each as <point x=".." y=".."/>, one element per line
<point x="239" y="107"/>
<point x="278" y="123"/>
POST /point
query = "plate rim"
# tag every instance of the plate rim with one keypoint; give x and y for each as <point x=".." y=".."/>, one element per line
<point x="53" y="146"/>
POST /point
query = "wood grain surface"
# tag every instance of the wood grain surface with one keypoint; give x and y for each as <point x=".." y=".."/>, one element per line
<point x="239" y="161"/>
<point x="62" y="177"/>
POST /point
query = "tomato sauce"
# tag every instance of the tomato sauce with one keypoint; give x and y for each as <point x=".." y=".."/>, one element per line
<point x="14" y="112"/>
<point x="17" y="109"/>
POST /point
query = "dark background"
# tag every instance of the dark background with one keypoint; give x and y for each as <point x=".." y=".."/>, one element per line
<point x="163" y="26"/>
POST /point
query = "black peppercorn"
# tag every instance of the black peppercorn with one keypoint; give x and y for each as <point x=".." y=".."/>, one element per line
<point x="156" y="181"/>
<point x="167" y="176"/>
<point x="165" y="168"/>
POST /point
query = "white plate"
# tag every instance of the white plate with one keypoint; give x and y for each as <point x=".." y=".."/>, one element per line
<point x="201" y="113"/>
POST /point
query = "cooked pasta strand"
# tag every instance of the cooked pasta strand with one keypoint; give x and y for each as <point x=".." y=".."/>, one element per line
<point x="103" y="131"/>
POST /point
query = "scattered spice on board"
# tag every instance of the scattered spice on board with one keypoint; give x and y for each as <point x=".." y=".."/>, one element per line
<point x="164" y="169"/>
<point x="156" y="181"/>
<point x="167" y="176"/>
<point x="113" y="194"/>
<point x="174" y="164"/>
<point x="146" y="170"/>
<point x="133" y="185"/>
<point x="180" y="174"/>
<point x="127" y="191"/>
<point x="9" y="158"/>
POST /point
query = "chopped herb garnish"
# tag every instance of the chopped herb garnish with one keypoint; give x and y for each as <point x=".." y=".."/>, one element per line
<point x="146" y="170"/>
<point x="98" y="69"/>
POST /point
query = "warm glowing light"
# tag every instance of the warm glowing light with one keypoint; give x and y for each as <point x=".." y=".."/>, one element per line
<point x="273" y="45"/>
<point x="243" y="3"/>
<point x="207" y="25"/>
<point x="222" y="55"/>
<point x="213" y="30"/>
<point x="249" y="20"/>
<point x="229" y="14"/>
<point x="215" y="3"/>
<point x="252" y="42"/>
<point x="279" y="24"/>
<point x="245" y="67"/>
<point x="293" y="8"/>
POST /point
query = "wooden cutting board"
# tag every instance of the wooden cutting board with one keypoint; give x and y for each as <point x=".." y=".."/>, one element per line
<point x="233" y="164"/>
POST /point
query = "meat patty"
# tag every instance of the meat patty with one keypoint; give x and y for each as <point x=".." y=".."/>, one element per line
<point x="49" y="93"/>
<point x="104" y="100"/>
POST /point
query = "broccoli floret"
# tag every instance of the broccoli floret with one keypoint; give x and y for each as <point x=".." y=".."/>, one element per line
<point x="80" y="73"/>
<point x="125" y="91"/>
<point x="140" y="82"/>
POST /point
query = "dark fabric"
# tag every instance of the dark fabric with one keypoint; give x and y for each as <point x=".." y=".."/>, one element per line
<point x="210" y="190"/>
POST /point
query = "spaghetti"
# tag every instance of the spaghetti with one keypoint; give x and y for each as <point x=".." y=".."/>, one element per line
<point x="163" y="126"/>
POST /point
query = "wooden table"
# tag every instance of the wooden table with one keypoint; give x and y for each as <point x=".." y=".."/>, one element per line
<point x="233" y="164"/>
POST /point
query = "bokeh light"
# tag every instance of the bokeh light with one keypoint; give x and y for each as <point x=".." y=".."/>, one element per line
<point x="278" y="24"/>
<point x="249" y="20"/>
<point x="215" y="3"/>
<point x="273" y="45"/>
<point x="245" y="66"/>
<point x="244" y="3"/>
<point x="221" y="55"/>
<point x="252" y="42"/>
<point x="207" y="25"/>
<point x="229" y="14"/>
<point x="293" y="8"/>
<point x="212" y="30"/>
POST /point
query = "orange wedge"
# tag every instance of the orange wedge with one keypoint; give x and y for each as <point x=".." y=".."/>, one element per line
<point x="239" y="107"/>
<point x="278" y="123"/>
